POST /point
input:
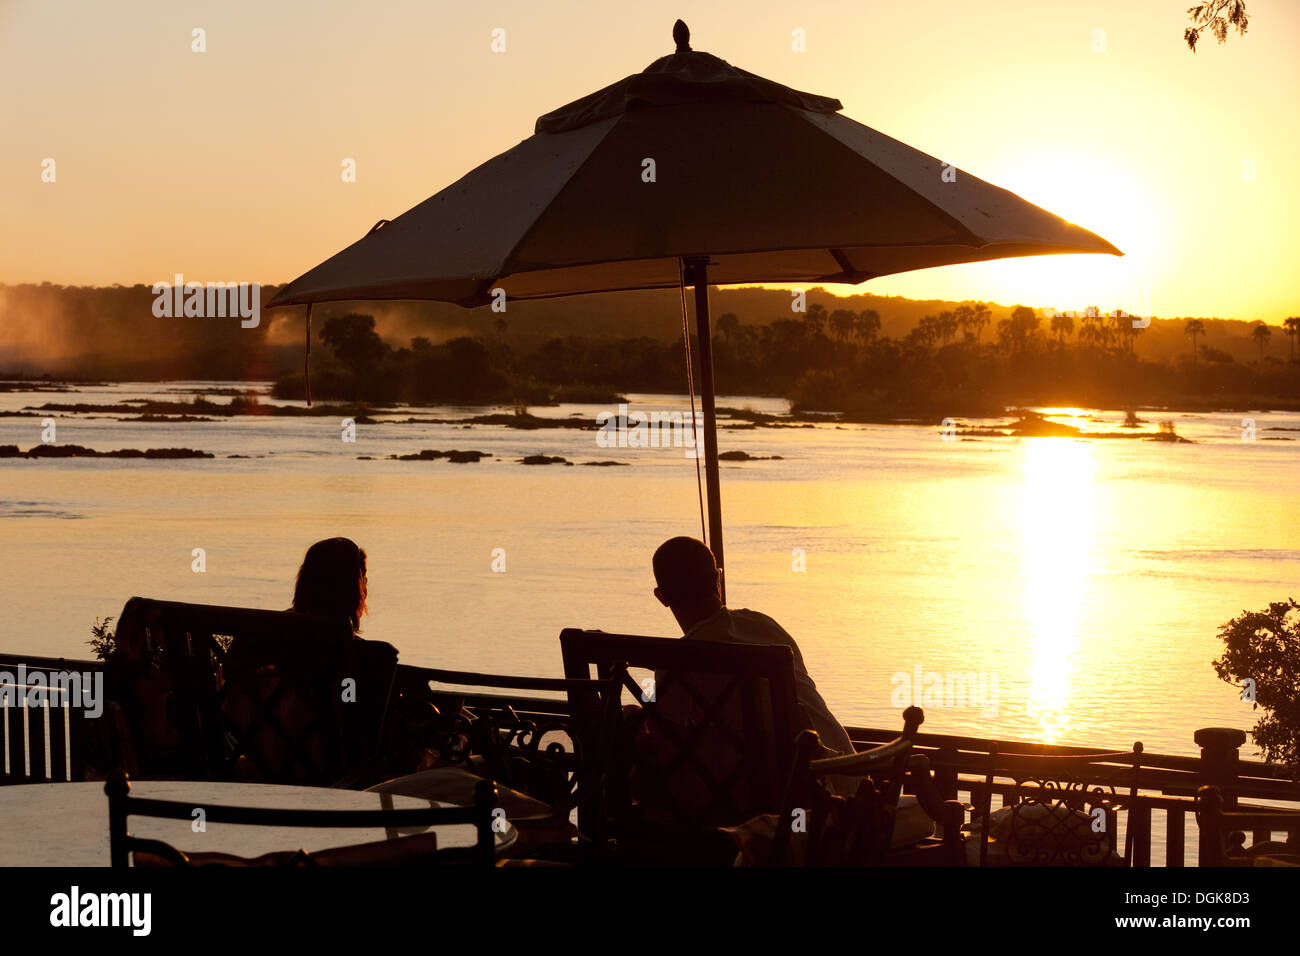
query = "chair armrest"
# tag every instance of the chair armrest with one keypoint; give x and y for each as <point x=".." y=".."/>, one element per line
<point x="950" y="814"/>
<point x="921" y="782"/>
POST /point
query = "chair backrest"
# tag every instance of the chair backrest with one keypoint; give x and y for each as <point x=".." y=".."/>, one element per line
<point x="713" y="737"/>
<point x="845" y="830"/>
<point x="1060" y="810"/>
<point x="508" y="739"/>
<point x="44" y="720"/>
<point x="1224" y="832"/>
<point x="267" y="695"/>
<point x="122" y="844"/>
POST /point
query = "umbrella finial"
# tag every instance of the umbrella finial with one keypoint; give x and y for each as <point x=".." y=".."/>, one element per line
<point x="682" y="36"/>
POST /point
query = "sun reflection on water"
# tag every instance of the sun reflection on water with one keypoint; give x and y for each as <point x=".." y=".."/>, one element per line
<point x="1056" y="530"/>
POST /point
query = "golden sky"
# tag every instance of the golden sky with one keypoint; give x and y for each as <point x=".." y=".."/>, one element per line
<point x="225" y="165"/>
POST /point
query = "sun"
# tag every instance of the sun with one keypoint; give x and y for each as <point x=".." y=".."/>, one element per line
<point x="1091" y="192"/>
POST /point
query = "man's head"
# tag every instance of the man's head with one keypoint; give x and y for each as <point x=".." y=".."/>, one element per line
<point x="685" y="573"/>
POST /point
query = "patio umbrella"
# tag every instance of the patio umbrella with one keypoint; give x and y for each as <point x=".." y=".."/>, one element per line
<point x="690" y="172"/>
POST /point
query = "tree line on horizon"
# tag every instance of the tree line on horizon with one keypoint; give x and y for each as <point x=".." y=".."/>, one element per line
<point x="895" y="356"/>
<point x="957" y="362"/>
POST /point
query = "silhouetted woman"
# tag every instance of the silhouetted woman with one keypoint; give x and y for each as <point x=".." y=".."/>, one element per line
<point x="332" y="581"/>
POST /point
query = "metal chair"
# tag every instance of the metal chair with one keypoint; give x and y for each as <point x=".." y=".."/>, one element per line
<point x="269" y="695"/>
<point x="514" y="741"/>
<point x="858" y="830"/>
<point x="707" y="744"/>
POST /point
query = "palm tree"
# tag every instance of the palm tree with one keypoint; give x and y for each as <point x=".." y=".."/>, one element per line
<point x="868" y="324"/>
<point x="1021" y="326"/>
<point x="1006" y="335"/>
<point x="1291" y="327"/>
<point x="929" y="331"/>
<point x="1062" y="325"/>
<point x="1089" y="332"/>
<point x="1261" y="333"/>
<point x="980" y="317"/>
<point x="728" y="322"/>
<point x="1095" y="330"/>
<point x="842" y="322"/>
<point x="1133" y="332"/>
<point x="1194" y="328"/>
<point x="1125" y="334"/>
<point x="789" y="337"/>
<point x="946" y="325"/>
<point x="963" y="314"/>
<point x="1104" y="333"/>
<point x="816" y="319"/>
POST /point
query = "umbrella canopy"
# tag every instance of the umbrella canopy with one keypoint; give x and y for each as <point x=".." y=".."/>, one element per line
<point x="772" y="184"/>
<point x="691" y="163"/>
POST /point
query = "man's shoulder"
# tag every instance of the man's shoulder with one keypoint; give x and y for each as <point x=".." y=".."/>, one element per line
<point x="756" y="622"/>
<point x="746" y="614"/>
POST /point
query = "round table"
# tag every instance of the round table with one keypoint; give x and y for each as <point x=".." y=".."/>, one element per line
<point x="66" y="824"/>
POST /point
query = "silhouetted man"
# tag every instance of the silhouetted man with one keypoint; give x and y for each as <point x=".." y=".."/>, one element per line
<point x="688" y="585"/>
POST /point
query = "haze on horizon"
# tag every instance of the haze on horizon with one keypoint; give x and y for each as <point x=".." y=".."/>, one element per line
<point x="225" y="165"/>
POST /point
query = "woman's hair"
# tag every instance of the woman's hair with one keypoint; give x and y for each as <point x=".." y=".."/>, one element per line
<point x="332" y="580"/>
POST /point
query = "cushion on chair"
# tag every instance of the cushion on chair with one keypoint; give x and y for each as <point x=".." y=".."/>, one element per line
<point x="754" y="837"/>
<point x="1042" y="834"/>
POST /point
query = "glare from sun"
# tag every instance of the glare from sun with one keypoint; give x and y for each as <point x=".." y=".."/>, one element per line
<point x="1056" y="531"/>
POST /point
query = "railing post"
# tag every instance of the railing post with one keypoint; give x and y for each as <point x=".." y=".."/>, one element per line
<point x="1219" y="758"/>
<point x="1175" y="838"/>
<point x="1139" y="822"/>
<point x="945" y="775"/>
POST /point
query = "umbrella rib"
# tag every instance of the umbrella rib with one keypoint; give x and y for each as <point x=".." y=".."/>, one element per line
<point x="961" y="227"/>
<point x="850" y="273"/>
<point x="508" y="260"/>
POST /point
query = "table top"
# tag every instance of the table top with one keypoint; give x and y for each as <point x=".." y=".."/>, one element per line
<point x="66" y="824"/>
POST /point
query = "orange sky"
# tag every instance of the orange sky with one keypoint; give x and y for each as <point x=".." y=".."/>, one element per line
<point x="225" y="165"/>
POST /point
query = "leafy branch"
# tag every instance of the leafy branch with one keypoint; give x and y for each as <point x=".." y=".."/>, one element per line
<point x="1217" y="16"/>
<point x="102" y="640"/>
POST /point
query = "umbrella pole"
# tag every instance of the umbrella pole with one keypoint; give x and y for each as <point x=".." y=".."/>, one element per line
<point x="698" y="274"/>
<point x="306" y="360"/>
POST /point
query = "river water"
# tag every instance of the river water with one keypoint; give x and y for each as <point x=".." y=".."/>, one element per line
<point x="1079" y="583"/>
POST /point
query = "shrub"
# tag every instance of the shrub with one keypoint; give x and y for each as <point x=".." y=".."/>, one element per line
<point x="1262" y="655"/>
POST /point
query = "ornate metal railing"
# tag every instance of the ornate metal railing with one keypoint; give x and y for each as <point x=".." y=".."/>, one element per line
<point x="1165" y="785"/>
<point x="1154" y="826"/>
<point x="965" y="767"/>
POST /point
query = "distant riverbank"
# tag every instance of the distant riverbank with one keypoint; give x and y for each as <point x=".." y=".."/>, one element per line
<point x="203" y="405"/>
